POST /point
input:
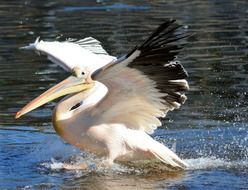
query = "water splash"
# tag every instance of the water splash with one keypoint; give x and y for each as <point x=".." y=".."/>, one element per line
<point x="216" y="163"/>
<point x="93" y="166"/>
<point x="144" y="167"/>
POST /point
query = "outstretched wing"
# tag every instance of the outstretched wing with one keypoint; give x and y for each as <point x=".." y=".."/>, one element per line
<point x="85" y="53"/>
<point x="155" y="58"/>
<point x="150" y="88"/>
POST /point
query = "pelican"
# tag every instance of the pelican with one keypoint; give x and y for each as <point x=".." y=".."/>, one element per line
<point x="111" y="106"/>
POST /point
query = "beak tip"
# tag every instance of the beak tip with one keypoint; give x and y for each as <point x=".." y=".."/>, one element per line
<point x="18" y="115"/>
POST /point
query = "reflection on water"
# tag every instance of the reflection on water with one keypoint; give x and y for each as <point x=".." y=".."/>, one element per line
<point x="209" y="131"/>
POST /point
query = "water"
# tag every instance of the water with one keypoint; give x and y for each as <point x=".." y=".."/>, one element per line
<point x="209" y="132"/>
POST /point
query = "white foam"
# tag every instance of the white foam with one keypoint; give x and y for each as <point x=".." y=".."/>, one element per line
<point x="56" y="166"/>
<point x="93" y="165"/>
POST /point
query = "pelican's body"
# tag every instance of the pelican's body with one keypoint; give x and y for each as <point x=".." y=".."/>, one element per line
<point x="110" y="109"/>
<point x="113" y="137"/>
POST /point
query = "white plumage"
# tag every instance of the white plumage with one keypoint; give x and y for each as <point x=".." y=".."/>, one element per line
<point x="85" y="54"/>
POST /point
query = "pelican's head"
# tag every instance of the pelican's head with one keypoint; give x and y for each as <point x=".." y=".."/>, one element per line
<point x="78" y="82"/>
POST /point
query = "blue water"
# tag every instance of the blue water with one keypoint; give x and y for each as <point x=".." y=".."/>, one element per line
<point x="209" y="132"/>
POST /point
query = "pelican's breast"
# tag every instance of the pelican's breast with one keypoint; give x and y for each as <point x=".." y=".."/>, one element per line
<point x="75" y="130"/>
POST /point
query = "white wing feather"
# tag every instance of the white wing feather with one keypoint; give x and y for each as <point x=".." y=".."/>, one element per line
<point x="85" y="54"/>
<point x="90" y="44"/>
<point x="133" y="99"/>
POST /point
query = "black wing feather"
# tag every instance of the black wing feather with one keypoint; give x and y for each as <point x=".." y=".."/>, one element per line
<point x="156" y="59"/>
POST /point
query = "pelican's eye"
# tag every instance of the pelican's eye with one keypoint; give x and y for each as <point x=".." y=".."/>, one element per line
<point x="77" y="72"/>
<point x="76" y="106"/>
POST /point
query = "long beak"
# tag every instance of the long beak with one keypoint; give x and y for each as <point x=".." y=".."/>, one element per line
<point x="67" y="86"/>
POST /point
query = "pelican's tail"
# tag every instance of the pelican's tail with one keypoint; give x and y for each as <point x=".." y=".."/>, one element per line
<point x="166" y="156"/>
<point x="143" y="144"/>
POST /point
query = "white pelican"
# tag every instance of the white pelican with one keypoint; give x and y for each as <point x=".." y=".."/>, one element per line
<point x="112" y="105"/>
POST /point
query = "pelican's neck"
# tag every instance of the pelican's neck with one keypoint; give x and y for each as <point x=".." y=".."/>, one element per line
<point x="85" y="99"/>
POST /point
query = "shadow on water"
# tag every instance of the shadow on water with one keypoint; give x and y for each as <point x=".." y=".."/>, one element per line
<point x="209" y="132"/>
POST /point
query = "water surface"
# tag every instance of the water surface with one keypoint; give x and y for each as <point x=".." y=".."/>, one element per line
<point x="209" y="132"/>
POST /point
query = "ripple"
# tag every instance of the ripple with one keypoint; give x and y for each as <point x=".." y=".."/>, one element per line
<point x="116" y="6"/>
